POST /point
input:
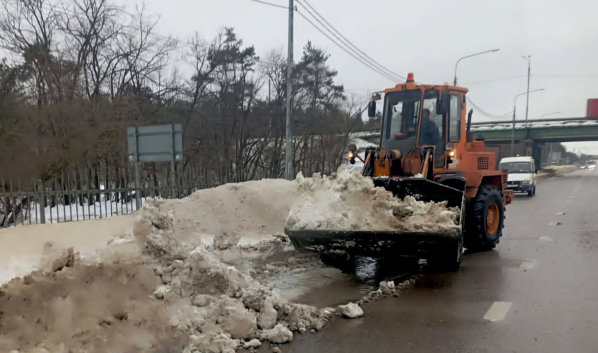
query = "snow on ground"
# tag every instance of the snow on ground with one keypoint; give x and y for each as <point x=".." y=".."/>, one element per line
<point x="23" y="247"/>
<point x="77" y="212"/>
<point x="173" y="291"/>
<point x="209" y="273"/>
<point x="351" y="202"/>
<point x="535" y="124"/>
<point x="556" y="170"/>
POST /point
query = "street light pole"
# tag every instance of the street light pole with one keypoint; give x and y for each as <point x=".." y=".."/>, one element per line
<point x="469" y="56"/>
<point x="513" y="128"/>
<point x="289" y="135"/>
<point x="529" y="72"/>
<point x="514" y="113"/>
<point x="548" y="114"/>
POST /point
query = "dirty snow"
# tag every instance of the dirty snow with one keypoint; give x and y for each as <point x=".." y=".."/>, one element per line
<point x="24" y="247"/>
<point x="252" y="210"/>
<point x="192" y="275"/>
<point x="182" y="292"/>
<point x="348" y="201"/>
<point x="351" y="310"/>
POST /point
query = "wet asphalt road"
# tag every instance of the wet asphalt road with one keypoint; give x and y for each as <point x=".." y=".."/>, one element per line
<point x="545" y="277"/>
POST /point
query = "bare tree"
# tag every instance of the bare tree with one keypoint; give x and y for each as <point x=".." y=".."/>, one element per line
<point x="27" y="29"/>
<point x="88" y="69"/>
<point x="92" y="32"/>
<point x="145" y="56"/>
<point x="202" y="57"/>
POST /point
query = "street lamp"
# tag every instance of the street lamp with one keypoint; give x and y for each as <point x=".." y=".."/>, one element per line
<point x="514" y="113"/>
<point x="548" y="114"/>
<point x="529" y="72"/>
<point x="469" y="56"/>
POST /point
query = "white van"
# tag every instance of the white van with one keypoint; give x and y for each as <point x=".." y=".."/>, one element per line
<point x="522" y="174"/>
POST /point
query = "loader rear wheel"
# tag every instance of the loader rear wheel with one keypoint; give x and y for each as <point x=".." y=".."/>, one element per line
<point x="485" y="224"/>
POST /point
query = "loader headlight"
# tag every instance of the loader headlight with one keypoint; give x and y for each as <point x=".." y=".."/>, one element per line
<point x="451" y="154"/>
<point x="350" y="155"/>
<point x="526" y="182"/>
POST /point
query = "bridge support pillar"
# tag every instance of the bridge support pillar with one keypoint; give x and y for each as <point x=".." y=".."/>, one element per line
<point x="537" y="152"/>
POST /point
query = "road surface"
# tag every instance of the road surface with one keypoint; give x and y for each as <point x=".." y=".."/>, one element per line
<point x="537" y="292"/>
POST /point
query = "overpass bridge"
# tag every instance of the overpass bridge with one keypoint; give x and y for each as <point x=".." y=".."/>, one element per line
<point x="530" y="138"/>
<point x="540" y="131"/>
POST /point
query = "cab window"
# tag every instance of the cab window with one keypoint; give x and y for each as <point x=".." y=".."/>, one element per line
<point x="402" y="109"/>
<point x="433" y="126"/>
<point x="455" y="119"/>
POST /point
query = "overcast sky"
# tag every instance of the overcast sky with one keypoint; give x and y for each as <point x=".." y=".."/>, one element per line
<point x="427" y="37"/>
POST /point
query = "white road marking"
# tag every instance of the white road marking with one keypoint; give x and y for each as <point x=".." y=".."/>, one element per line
<point x="545" y="238"/>
<point x="561" y="213"/>
<point x="497" y="311"/>
<point x="528" y="264"/>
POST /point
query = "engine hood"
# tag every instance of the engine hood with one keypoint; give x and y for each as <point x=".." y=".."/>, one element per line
<point x="520" y="176"/>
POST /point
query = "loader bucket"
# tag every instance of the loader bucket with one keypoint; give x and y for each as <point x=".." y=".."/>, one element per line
<point x="388" y="244"/>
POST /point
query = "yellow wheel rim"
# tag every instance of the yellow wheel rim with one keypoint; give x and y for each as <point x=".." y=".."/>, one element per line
<point x="492" y="218"/>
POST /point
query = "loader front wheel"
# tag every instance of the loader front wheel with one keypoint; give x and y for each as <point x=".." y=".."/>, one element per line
<point x="485" y="224"/>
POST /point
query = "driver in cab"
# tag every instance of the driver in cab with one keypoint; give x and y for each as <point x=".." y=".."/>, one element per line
<point x="429" y="131"/>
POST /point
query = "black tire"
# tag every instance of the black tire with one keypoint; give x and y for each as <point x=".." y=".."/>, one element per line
<point x="480" y="235"/>
<point x="530" y="192"/>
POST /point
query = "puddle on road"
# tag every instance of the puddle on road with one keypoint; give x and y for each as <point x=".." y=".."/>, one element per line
<point x="331" y="285"/>
<point x="346" y="282"/>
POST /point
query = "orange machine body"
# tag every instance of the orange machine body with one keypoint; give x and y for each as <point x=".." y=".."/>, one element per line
<point x="468" y="157"/>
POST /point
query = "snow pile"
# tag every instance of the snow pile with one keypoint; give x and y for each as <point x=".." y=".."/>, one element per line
<point x="347" y="201"/>
<point x="25" y="249"/>
<point x="253" y="209"/>
<point x="169" y="295"/>
<point x="192" y="275"/>
<point x="351" y="310"/>
<point x="219" y="307"/>
<point x="84" y="308"/>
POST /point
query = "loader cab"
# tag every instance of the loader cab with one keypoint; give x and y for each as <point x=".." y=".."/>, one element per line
<point x="415" y="116"/>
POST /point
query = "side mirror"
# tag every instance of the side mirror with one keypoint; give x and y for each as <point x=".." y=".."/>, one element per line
<point x="372" y="109"/>
<point x="443" y="102"/>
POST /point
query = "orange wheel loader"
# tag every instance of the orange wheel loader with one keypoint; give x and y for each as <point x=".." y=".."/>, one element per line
<point x="426" y="151"/>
